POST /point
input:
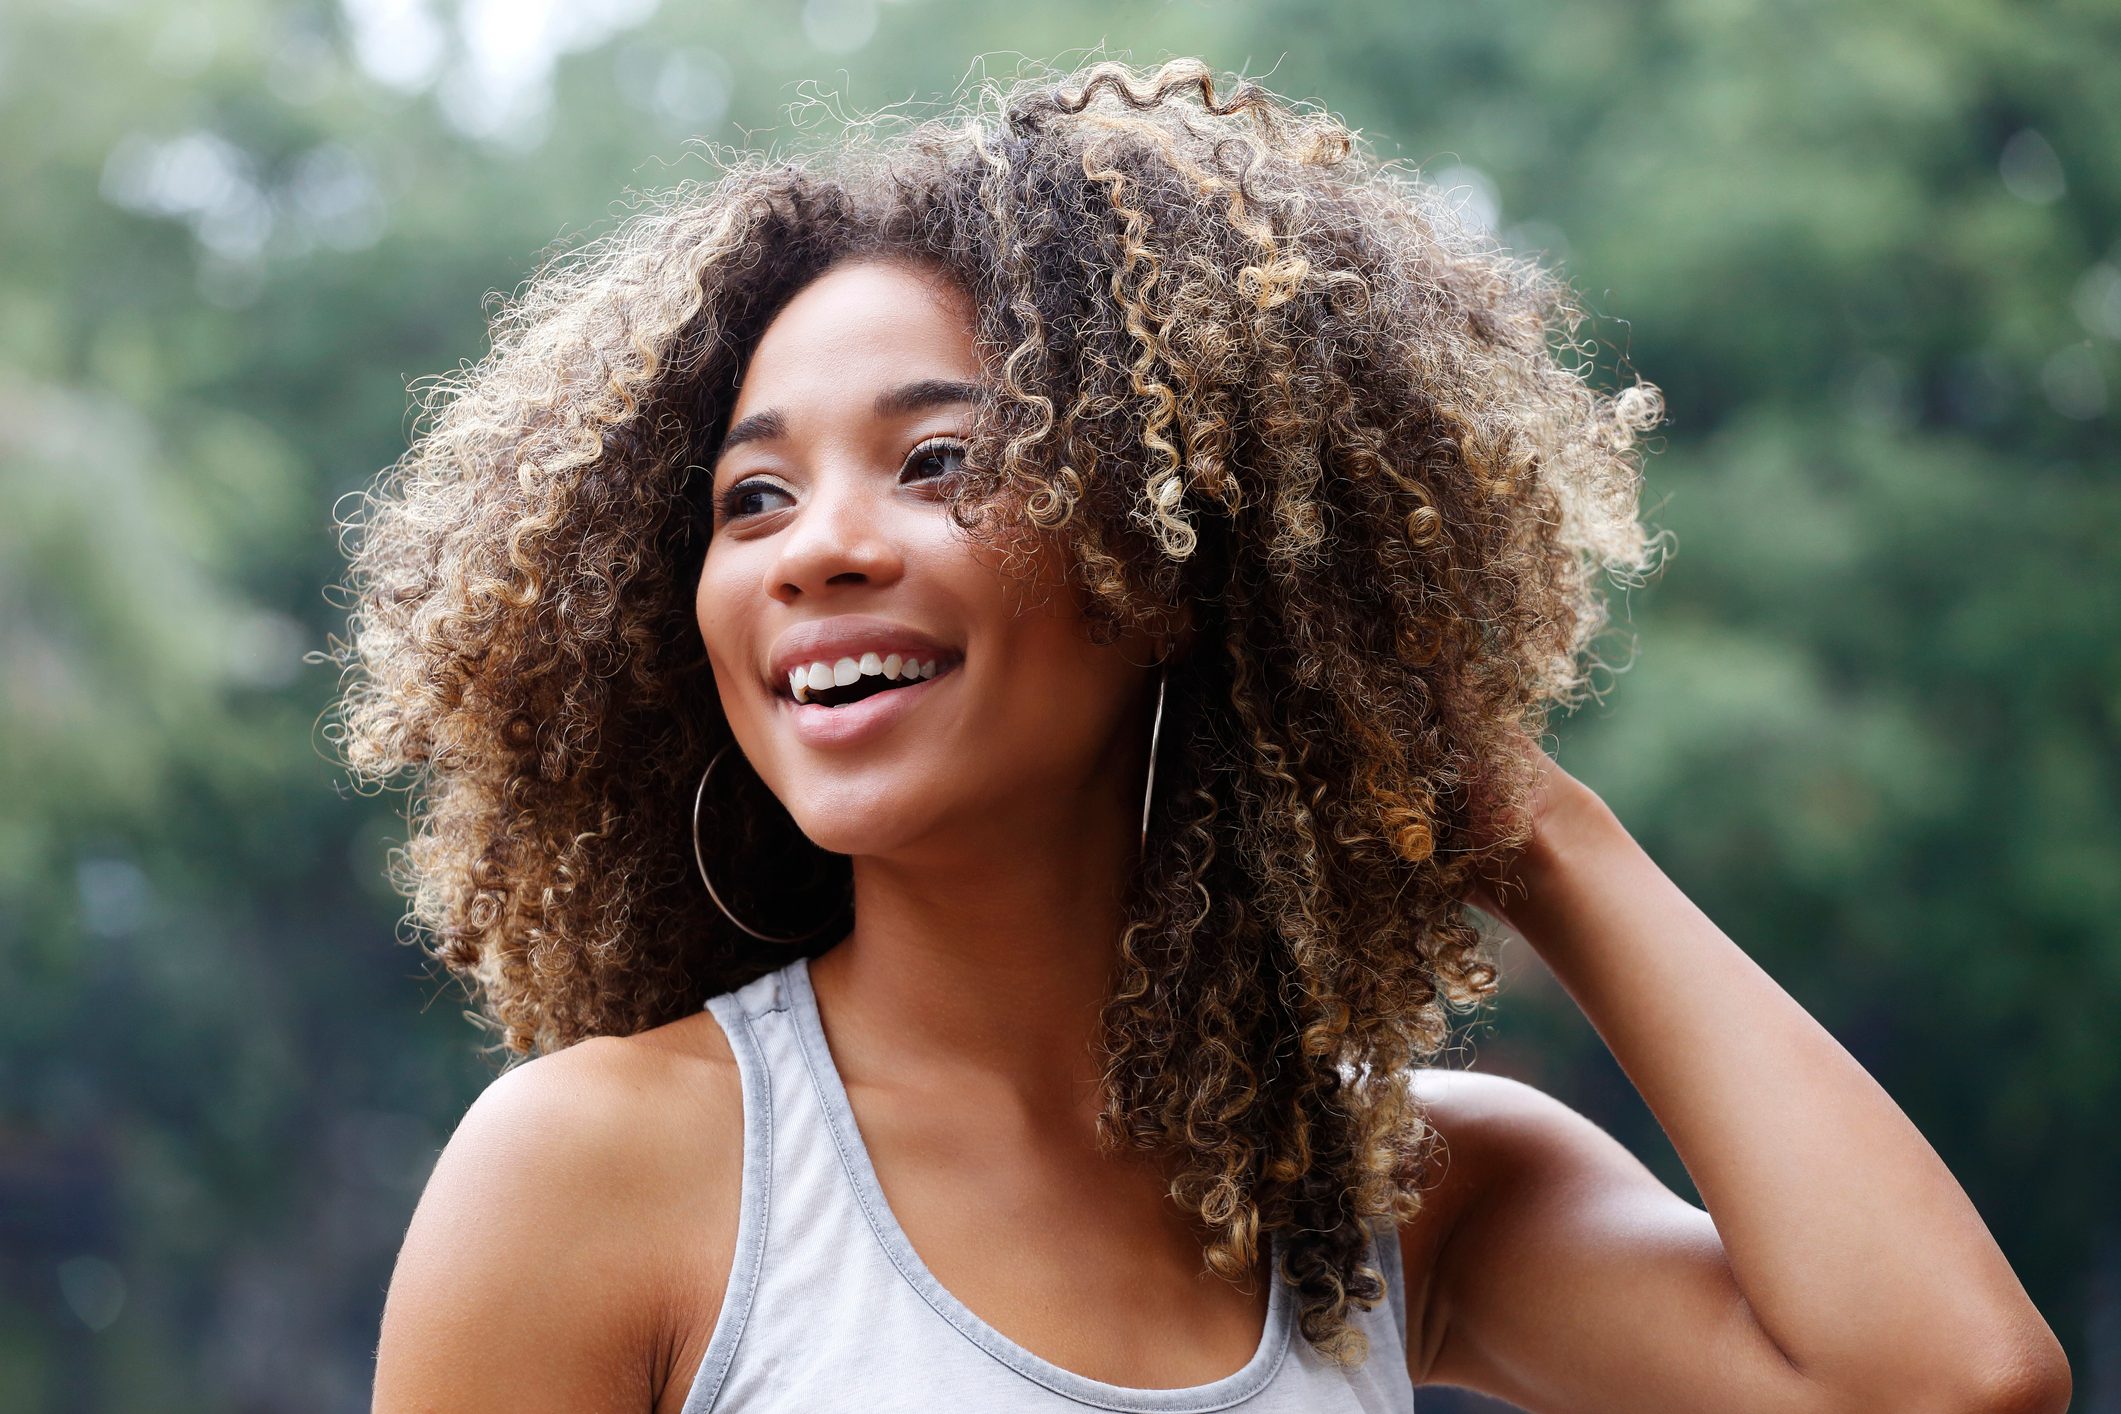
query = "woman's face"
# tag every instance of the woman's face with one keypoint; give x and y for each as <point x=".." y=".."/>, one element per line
<point x="885" y="679"/>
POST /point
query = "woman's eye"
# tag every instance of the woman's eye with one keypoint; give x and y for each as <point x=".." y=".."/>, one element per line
<point x="935" y="459"/>
<point x="749" y="498"/>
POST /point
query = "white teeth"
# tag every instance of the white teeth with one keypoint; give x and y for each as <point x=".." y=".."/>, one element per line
<point x="815" y="677"/>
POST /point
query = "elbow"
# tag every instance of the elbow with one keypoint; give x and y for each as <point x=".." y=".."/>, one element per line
<point x="2031" y="1377"/>
<point x="2032" y="1380"/>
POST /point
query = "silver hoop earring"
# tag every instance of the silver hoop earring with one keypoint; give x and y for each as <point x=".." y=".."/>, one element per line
<point x="700" y="858"/>
<point x="1156" y="730"/>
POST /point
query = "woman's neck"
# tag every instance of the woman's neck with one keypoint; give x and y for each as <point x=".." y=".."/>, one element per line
<point x="992" y="953"/>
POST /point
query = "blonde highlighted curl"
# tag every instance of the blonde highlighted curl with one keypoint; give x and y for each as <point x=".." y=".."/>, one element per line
<point x="1249" y="376"/>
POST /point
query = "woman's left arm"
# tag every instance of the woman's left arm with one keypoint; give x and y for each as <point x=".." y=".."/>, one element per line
<point x="1853" y="1272"/>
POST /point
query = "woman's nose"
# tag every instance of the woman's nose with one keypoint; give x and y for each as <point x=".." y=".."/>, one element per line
<point x="840" y="536"/>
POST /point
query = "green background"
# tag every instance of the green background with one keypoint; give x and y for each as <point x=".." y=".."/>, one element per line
<point x="1869" y="719"/>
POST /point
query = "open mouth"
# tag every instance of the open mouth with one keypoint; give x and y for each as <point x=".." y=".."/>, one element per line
<point x="849" y="680"/>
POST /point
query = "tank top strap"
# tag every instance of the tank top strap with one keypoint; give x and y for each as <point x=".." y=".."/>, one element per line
<point x="735" y="1011"/>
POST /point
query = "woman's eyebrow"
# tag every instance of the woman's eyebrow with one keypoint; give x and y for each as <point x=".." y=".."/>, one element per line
<point x="759" y="427"/>
<point x="906" y="398"/>
<point x="927" y="393"/>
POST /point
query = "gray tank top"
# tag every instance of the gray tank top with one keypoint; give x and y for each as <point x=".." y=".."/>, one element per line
<point x="829" y="1307"/>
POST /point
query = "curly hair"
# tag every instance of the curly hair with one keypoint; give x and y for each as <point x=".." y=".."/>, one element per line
<point x="1246" y="373"/>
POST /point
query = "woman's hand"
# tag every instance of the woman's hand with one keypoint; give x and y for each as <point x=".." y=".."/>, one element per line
<point x="1556" y="803"/>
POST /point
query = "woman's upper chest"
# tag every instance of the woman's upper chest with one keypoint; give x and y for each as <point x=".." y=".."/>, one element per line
<point x="1080" y="1258"/>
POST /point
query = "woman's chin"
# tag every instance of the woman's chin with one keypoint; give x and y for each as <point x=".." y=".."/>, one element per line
<point x="872" y="828"/>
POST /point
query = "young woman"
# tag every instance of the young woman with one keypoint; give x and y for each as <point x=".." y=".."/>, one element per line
<point x="961" y="689"/>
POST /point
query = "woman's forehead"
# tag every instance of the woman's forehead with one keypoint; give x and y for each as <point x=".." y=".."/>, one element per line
<point x="858" y="329"/>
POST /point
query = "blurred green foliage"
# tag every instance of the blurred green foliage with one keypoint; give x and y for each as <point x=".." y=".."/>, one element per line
<point x="1867" y="718"/>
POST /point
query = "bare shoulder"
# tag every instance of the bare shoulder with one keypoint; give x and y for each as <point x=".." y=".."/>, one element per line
<point x="1560" y="1266"/>
<point x="1492" y="1132"/>
<point x="572" y="1245"/>
<point x="1493" y="1116"/>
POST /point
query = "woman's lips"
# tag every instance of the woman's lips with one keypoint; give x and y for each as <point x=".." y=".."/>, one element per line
<point x="822" y="726"/>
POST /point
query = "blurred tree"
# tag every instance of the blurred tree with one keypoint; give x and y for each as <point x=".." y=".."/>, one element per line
<point x="1869" y="724"/>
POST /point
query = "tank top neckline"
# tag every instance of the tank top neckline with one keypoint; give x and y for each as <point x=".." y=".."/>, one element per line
<point x="1240" y="1384"/>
